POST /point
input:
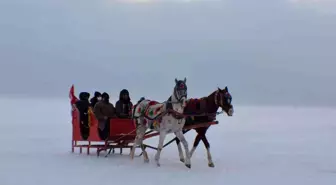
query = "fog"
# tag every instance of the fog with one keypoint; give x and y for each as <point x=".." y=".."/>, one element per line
<point x="276" y="52"/>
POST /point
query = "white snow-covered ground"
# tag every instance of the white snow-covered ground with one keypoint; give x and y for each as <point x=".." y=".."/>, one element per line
<point x="258" y="146"/>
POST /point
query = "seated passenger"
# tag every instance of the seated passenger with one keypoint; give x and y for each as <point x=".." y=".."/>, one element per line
<point x="97" y="97"/>
<point x="104" y="110"/>
<point x="83" y="103"/>
<point x="83" y="106"/>
<point x="124" y="105"/>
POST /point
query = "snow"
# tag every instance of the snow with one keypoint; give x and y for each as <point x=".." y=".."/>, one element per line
<point x="258" y="145"/>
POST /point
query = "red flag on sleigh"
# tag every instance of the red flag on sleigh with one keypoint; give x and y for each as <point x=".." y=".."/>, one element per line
<point x="72" y="96"/>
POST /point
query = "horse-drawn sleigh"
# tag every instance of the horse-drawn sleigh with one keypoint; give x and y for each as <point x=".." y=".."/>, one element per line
<point x="177" y="115"/>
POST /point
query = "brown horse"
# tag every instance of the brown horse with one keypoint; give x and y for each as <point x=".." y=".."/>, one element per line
<point x="205" y="110"/>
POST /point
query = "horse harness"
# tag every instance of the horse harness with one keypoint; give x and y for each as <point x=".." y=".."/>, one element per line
<point x="170" y="110"/>
<point x="221" y="96"/>
<point x="180" y="90"/>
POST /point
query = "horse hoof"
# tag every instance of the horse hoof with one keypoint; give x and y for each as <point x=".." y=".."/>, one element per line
<point x="158" y="164"/>
<point x="182" y="160"/>
<point x="188" y="165"/>
<point x="146" y="160"/>
<point x="212" y="165"/>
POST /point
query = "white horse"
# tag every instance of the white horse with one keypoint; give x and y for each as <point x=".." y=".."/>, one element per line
<point x="165" y="118"/>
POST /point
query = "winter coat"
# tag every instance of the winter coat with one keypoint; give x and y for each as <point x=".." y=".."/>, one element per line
<point x="123" y="107"/>
<point x="104" y="110"/>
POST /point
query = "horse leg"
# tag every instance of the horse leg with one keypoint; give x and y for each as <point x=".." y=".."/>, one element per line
<point x="179" y="147"/>
<point x="200" y="136"/>
<point x="201" y="132"/>
<point x="135" y="144"/>
<point x="160" y="146"/>
<point x="140" y="132"/>
<point x="137" y="139"/>
<point x="196" y="142"/>
<point x="180" y="136"/>
<point x="207" y="146"/>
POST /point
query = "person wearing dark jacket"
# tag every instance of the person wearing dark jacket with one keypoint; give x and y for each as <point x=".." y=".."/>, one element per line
<point x="97" y="97"/>
<point x="83" y="106"/>
<point x="83" y="103"/>
<point x="124" y="105"/>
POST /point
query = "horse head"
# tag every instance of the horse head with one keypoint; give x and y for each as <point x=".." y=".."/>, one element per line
<point x="223" y="99"/>
<point x="181" y="90"/>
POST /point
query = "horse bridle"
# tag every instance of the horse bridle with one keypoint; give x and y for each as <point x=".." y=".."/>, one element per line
<point x="183" y="95"/>
<point x="221" y="97"/>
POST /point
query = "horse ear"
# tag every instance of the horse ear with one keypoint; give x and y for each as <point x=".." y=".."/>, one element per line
<point x="185" y="79"/>
<point x="226" y="89"/>
<point x="176" y="80"/>
<point x="219" y="89"/>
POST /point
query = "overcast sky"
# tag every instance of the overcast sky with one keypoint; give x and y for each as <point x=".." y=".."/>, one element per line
<point x="265" y="51"/>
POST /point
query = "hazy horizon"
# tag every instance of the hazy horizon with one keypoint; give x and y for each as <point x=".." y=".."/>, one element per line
<point x="275" y="52"/>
